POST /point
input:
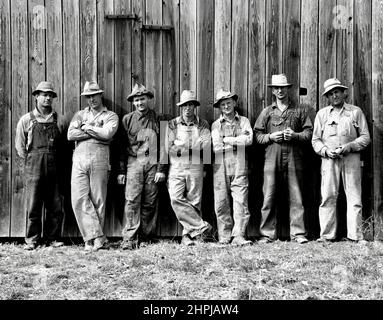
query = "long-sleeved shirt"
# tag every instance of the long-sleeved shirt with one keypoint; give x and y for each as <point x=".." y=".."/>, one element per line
<point x="104" y="126"/>
<point x="142" y="138"/>
<point x="188" y="143"/>
<point x="272" y="120"/>
<point x="24" y="132"/>
<point x="333" y="129"/>
<point x="239" y="130"/>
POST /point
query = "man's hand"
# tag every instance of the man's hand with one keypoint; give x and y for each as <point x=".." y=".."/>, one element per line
<point x="277" y="136"/>
<point x="345" y="149"/>
<point x="160" y="177"/>
<point x="121" y="179"/>
<point x="332" y="154"/>
<point x="289" y="134"/>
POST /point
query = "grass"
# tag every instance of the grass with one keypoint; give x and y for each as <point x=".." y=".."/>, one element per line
<point x="281" y="270"/>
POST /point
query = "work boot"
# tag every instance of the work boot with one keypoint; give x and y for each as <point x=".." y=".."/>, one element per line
<point x="240" y="241"/>
<point x="265" y="240"/>
<point x="187" y="241"/>
<point x="100" y="243"/>
<point x="301" y="240"/>
<point x="88" y="246"/>
<point x="56" y="244"/>
<point x="30" y="246"/>
<point x="129" y="245"/>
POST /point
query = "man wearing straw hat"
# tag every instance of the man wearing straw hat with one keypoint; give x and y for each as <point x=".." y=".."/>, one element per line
<point x="284" y="129"/>
<point x="231" y="134"/>
<point x="187" y="137"/>
<point x="92" y="129"/>
<point x="340" y="134"/>
<point x="140" y="169"/>
<point x="38" y="142"/>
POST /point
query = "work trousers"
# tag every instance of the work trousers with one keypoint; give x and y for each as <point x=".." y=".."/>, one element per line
<point x="90" y="173"/>
<point x="185" y="185"/>
<point x="348" y="169"/>
<point x="231" y="198"/>
<point x="283" y="175"/>
<point x="140" y="199"/>
<point x="42" y="188"/>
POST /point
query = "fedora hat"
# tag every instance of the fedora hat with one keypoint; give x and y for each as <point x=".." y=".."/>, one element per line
<point x="45" y="86"/>
<point x="140" y="90"/>
<point x="330" y="84"/>
<point x="188" y="96"/>
<point x="91" y="88"/>
<point x="222" y="95"/>
<point x="279" y="80"/>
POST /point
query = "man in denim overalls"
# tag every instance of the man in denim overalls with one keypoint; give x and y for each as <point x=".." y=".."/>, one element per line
<point x="37" y="142"/>
<point x="283" y="128"/>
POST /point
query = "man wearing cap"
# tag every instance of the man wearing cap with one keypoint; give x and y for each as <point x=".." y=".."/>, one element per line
<point x="38" y="141"/>
<point x="340" y="134"/>
<point x="92" y="129"/>
<point x="231" y="134"/>
<point x="140" y="169"/>
<point x="284" y="129"/>
<point x="187" y="137"/>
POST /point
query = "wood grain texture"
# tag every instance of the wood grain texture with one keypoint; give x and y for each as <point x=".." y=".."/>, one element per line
<point x="327" y="46"/>
<point x="377" y="112"/>
<point x="5" y="119"/>
<point x="240" y="53"/>
<point x="138" y="43"/>
<point x="20" y="99"/>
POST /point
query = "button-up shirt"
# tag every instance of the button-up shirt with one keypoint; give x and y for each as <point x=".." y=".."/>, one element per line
<point x="186" y="142"/>
<point x="334" y="128"/>
<point x="239" y="129"/>
<point x="24" y="132"/>
<point x="104" y="124"/>
<point x="142" y="138"/>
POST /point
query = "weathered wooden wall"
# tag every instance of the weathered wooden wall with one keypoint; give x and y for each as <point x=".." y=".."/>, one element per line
<point x="232" y="44"/>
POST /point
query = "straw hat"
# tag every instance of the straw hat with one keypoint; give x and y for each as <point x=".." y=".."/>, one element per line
<point x="140" y="90"/>
<point x="330" y="84"/>
<point x="45" y="86"/>
<point x="188" y="96"/>
<point x="222" y="95"/>
<point x="91" y="88"/>
<point x="279" y="80"/>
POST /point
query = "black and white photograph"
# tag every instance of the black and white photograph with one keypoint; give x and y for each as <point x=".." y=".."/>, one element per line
<point x="169" y="152"/>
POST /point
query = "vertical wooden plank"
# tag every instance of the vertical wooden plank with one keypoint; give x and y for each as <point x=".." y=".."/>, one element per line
<point x="188" y="42"/>
<point x="167" y="223"/>
<point x="37" y="55"/>
<point x="88" y="41"/>
<point x="256" y="102"/>
<point x="71" y="99"/>
<point x="273" y="42"/>
<point x="170" y="57"/>
<point x="291" y="41"/>
<point x="222" y="44"/>
<point x="122" y="58"/>
<point x="362" y="97"/>
<point x="5" y="118"/>
<point x="138" y="43"/>
<point x="153" y="53"/>
<point x="377" y="111"/>
<point x="55" y="50"/>
<point x="308" y="80"/>
<point x="240" y="52"/>
<point x="205" y="58"/>
<point x="19" y="107"/>
<point x="344" y="44"/>
<point x="327" y="45"/>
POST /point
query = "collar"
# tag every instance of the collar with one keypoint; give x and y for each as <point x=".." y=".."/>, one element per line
<point x="345" y="106"/>
<point x="222" y="118"/>
<point x="180" y="120"/>
<point x="103" y="109"/>
<point x="275" y="106"/>
<point x="37" y="113"/>
<point x="142" y="116"/>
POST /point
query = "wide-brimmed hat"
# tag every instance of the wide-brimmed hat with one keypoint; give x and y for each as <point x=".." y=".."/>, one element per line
<point x="140" y="90"/>
<point x="222" y="95"/>
<point x="279" y="80"/>
<point x="332" y="83"/>
<point x="91" y="88"/>
<point x="188" y="96"/>
<point x="45" y="86"/>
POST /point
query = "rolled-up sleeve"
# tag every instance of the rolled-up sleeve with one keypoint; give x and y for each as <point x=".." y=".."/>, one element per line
<point x="364" y="138"/>
<point x="74" y="131"/>
<point x="246" y="137"/>
<point x="316" y="141"/>
<point x="108" y="130"/>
